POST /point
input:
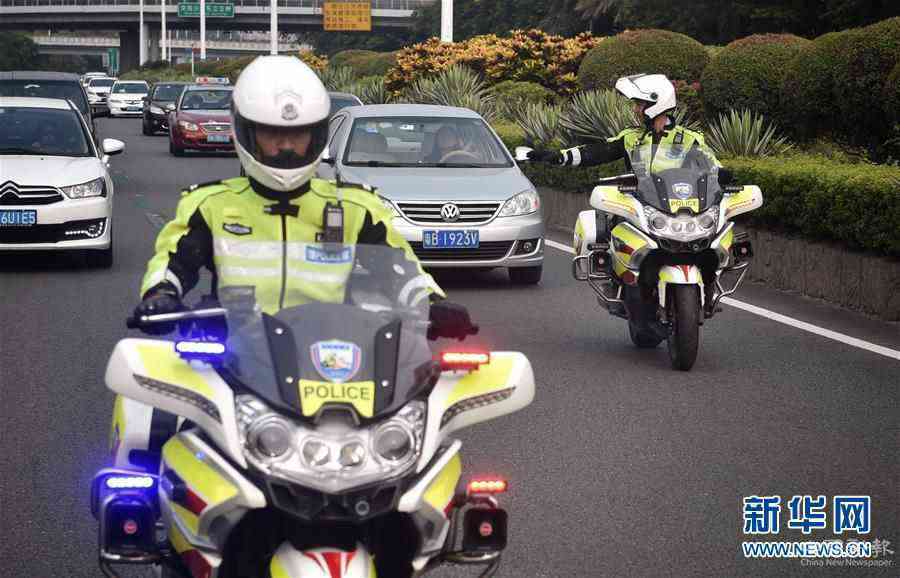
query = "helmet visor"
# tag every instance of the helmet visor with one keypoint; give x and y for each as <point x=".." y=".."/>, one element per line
<point x="281" y="147"/>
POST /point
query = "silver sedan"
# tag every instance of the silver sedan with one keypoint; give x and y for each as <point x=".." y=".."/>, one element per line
<point x="455" y="191"/>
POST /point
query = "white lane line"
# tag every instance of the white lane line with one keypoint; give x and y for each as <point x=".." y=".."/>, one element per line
<point x="778" y="317"/>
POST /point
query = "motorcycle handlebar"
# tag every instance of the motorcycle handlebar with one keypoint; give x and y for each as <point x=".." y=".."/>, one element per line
<point x="147" y="320"/>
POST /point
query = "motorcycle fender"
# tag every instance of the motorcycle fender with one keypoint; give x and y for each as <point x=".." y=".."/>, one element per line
<point x="289" y="562"/>
<point x="151" y="372"/>
<point x="611" y="200"/>
<point x="679" y="275"/>
<point x="212" y="497"/>
<point x="746" y="200"/>
<point x="585" y="232"/>
<point x="131" y="428"/>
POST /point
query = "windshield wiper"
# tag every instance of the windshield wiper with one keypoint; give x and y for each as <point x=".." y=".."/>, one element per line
<point x="459" y="166"/>
<point x="19" y="151"/>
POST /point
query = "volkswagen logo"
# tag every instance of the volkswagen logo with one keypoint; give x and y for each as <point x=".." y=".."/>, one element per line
<point x="450" y="213"/>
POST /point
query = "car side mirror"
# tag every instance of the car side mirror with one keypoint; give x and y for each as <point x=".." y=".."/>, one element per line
<point x="522" y="153"/>
<point x="170" y="107"/>
<point x="112" y="146"/>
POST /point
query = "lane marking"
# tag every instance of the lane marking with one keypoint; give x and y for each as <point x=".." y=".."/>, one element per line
<point x="784" y="319"/>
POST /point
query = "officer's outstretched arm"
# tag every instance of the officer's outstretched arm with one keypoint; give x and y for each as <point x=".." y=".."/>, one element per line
<point x="183" y="246"/>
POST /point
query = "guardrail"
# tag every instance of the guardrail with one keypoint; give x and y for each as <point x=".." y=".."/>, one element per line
<point x="106" y="41"/>
<point x="376" y="4"/>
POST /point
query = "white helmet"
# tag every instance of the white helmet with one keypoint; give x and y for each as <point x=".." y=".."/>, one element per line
<point x="654" y="89"/>
<point x="279" y="93"/>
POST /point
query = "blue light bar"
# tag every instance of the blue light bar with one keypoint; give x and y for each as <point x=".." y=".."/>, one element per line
<point x="129" y="482"/>
<point x="200" y="347"/>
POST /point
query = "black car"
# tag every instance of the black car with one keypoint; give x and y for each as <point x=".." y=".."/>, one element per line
<point x="157" y="105"/>
<point x="63" y="85"/>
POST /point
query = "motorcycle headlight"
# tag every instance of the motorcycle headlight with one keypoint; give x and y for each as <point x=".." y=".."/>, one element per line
<point x="683" y="228"/>
<point x="331" y="457"/>
<point x="156" y="110"/>
<point x="95" y="188"/>
<point x="522" y="204"/>
<point x="188" y="126"/>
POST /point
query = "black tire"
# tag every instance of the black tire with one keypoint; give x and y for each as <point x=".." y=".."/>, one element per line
<point x="146" y="128"/>
<point x="99" y="258"/>
<point x="643" y="337"/>
<point x="176" y="151"/>
<point x="526" y="275"/>
<point x="684" y="315"/>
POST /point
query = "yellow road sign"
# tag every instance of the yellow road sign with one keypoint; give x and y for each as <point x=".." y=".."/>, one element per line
<point x="347" y="15"/>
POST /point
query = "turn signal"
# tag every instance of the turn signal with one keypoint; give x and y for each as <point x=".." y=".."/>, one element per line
<point x="457" y="359"/>
<point x="487" y="486"/>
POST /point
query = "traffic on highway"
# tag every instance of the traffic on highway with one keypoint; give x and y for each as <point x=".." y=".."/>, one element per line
<point x="248" y="333"/>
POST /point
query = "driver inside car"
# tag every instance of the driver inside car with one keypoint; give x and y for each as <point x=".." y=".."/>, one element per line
<point x="446" y="142"/>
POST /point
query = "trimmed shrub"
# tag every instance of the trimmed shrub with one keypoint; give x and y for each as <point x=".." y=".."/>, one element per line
<point x="855" y="204"/>
<point x="808" y="87"/>
<point x="749" y="74"/>
<point x="643" y="51"/>
<point x="510" y="133"/>
<point x="573" y="180"/>
<point x="891" y="95"/>
<point x="512" y="95"/>
<point x="688" y="95"/>
<point x="365" y="63"/>
<point x="530" y="55"/>
<point x="343" y="58"/>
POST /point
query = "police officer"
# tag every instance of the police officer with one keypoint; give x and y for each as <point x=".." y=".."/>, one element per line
<point x="280" y="117"/>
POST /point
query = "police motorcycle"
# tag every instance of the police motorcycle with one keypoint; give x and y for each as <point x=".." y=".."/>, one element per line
<point x="314" y="442"/>
<point x="660" y="241"/>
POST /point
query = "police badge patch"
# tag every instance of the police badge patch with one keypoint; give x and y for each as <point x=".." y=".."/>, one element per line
<point x="337" y="361"/>
<point x="682" y="190"/>
<point x="237" y="228"/>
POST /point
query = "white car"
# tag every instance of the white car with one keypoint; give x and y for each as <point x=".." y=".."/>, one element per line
<point x="98" y="91"/>
<point x="55" y="187"/>
<point x="127" y="98"/>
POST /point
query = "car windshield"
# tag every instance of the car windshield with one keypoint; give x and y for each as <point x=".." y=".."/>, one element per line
<point x="357" y="306"/>
<point x="206" y="100"/>
<point x="674" y="177"/>
<point x="102" y="82"/>
<point x="130" y="88"/>
<point x="70" y="90"/>
<point x="424" y="142"/>
<point x="42" y="131"/>
<point x="339" y="102"/>
<point x="169" y="92"/>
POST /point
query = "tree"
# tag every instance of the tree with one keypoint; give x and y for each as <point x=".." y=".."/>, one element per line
<point x="17" y="51"/>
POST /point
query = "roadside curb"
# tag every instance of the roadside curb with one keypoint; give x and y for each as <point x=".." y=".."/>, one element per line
<point x="853" y="280"/>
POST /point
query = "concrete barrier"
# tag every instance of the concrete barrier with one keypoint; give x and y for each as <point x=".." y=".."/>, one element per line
<point x="854" y="280"/>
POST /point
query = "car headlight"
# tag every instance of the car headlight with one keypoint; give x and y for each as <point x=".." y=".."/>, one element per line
<point x="188" y="125"/>
<point x="522" y="204"/>
<point x="683" y="227"/>
<point x="95" y="188"/>
<point x="156" y="110"/>
<point x="330" y="457"/>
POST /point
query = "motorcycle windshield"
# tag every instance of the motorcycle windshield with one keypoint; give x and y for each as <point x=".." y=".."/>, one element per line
<point x="351" y="333"/>
<point x="673" y="177"/>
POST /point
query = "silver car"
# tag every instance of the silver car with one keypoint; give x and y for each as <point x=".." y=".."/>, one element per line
<point x="456" y="194"/>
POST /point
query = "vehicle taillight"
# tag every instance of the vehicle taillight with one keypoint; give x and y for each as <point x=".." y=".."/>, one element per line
<point x="487" y="486"/>
<point x="464" y="360"/>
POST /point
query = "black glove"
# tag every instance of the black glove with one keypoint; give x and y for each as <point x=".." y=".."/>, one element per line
<point x="726" y="177"/>
<point x="450" y="320"/>
<point x="552" y="157"/>
<point x="158" y="301"/>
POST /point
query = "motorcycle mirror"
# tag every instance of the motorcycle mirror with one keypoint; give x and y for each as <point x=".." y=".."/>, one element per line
<point x="726" y="177"/>
<point x="522" y="153"/>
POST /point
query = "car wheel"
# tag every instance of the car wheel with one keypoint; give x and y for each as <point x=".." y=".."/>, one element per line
<point x="147" y="128"/>
<point x="526" y="275"/>
<point x="100" y="258"/>
<point x="176" y="151"/>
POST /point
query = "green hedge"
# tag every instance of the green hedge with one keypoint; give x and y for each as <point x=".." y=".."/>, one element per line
<point x="518" y="92"/>
<point x="855" y="204"/>
<point x="808" y="87"/>
<point x="643" y="51"/>
<point x="510" y="133"/>
<point x="364" y="62"/>
<point x="891" y="95"/>
<point x="749" y="73"/>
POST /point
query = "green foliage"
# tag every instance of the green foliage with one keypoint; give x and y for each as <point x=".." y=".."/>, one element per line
<point x="855" y="204"/>
<point x="745" y="134"/>
<point x="510" y="133"/>
<point x="891" y="95"/>
<point x="540" y="125"/>
<point x="371" y="90"/>
<point x="337" y="78"/>
<point x="749" y="73"/>
<point x="808" y="87"/>
<point x="596" y="115"/>
<point x="364" y="62"/>
<point x="454" y="86"/>
<point x="17" y="51"/>
<point x="573" y="180"/>
<point x="643" y="51"/>
<point x="512" y="95"/>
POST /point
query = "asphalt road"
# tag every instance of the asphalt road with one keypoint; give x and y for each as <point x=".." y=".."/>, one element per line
<point x="620" y="467"/>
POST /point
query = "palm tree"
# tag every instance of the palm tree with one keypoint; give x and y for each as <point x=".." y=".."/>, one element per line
<point x="592" y="9"/>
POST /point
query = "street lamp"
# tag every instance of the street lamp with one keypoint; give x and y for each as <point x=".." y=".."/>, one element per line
<point x="273" y="27"/>
<point x="162" y="36"/>
<point x="446" y="20"/>
<point x="142" y="51"/>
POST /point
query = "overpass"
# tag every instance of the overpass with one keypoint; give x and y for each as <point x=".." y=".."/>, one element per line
<point x="123" y="15"/>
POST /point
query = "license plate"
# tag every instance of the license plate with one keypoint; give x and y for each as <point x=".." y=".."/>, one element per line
<point x="133" y="108"/>
<point x="444" y="239"/>
<point x="218" y="138"/>
<point x="18" y="218"/>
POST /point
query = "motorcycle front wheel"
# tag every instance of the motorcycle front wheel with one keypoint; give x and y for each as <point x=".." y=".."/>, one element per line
<point x="684" y="316"/>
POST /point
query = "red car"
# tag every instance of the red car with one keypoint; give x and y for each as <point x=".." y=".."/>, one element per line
<point x="201" y="120"/>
